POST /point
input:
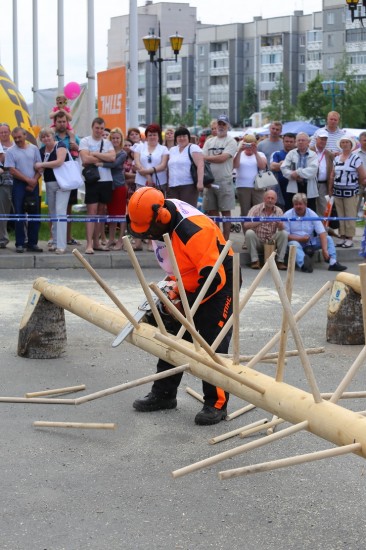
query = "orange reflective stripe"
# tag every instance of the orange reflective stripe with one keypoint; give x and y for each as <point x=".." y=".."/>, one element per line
<point x="221" y="398"/>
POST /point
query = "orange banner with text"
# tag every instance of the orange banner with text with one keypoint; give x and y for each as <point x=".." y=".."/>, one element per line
<point x="112" y="97"/>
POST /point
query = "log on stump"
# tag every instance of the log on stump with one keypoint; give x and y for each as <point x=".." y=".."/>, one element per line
<point x="345" y="321"/>
<point x="42" y="332"/>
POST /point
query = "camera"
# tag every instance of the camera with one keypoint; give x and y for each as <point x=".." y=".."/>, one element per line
<point x="247" y="145"/>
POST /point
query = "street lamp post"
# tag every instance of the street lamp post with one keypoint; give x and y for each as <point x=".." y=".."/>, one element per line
<point x="334" y="88"/>
<point x="152" y="44"/>
<point x="357" y="9"/>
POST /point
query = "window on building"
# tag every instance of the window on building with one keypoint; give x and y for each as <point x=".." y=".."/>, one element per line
<point x="330" y="18"/>
<point x="301" y="78"/>
<point x="302" y="59"/>
<point x="246" y="46"/>
<point x="315" y="56"/>
<point x="264" y="95"/>
<point x="271" y="58"/>
<point x="330" y="40"/>
<point x="269" y="77"/>
<point x="219" y="47"/>
<point x="314" y="36"/>
<point x="201" y="50"/>
<point x="357" y="58"/>
<point x="356" y="35"/>
<point x="202" y="67"/>
<point x="247" y="64"/>
<point x="272" y="40"/>
<point x="302" y="40"/>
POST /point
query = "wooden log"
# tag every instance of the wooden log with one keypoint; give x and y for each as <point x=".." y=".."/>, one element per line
<point x="344" y="316"/>
<point x="42" y="332"/>
<point x="351" y="280"/>
<point x="291" y="461"/>
<point x="327" y="420"/>
<point x="81" y="425"/>
<point x="70" y="389"/>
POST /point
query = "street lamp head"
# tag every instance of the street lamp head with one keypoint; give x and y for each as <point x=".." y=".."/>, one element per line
<point x="342" y="86"/>
<point x="176" y="41"/>
<point x="355" y="5"/>
<point x="326" y="85"/>
<point x="151" y="43"/>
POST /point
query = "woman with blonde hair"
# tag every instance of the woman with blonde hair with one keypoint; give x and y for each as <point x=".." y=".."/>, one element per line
<point x="117" y="206"/>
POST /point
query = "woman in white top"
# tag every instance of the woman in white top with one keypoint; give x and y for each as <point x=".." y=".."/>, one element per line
<point x="181" y="185"/>
<point x="247" y="162"/>
<point x="151" y="160"/>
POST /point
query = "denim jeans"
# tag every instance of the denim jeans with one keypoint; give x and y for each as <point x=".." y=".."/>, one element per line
<point x="57" y="201"/>
<point x="315" y="242"/>
<point x="19" y="193"/>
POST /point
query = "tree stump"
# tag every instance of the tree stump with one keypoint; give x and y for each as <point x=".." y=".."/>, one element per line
<point x="42" y="332"/>
<point x="345" y="321"/>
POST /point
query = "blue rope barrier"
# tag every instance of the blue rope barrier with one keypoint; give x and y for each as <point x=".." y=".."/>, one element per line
<point x="109" y="219"/>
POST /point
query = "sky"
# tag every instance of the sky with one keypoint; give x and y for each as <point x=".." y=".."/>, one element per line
<point x="236" y="11"/>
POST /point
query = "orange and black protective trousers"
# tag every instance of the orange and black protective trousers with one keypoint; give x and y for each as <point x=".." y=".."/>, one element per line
<point x="209" y="319"/>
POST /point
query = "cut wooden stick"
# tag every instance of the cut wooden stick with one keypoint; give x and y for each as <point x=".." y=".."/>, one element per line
<point x="38" y="400"/>
<point x="82" y="425"/>
<point x="105" y="287"/>
<point x="132" y="384"/>
<point x="154" y="310"/>
<point x="291" y="461"/>
<point x="252" y="431"/>
<point x="70" y="389"/>
<point x="195" y="394"/>
<point x="239" y="450"/>
<point x="207" y="283"/>
<point x="357" y="364"/>
<point x="239" y="412"/>
<point x="236" y="312"/>
<point x="233" y="433"/>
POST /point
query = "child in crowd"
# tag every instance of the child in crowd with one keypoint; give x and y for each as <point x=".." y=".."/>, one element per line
<point x="61" y="107"/>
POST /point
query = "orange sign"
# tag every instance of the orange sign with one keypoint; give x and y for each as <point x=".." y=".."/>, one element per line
<point x="112" y="97"/>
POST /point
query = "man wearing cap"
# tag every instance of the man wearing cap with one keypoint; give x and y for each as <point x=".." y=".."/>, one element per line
<point x="219" y="151"/>
<point x="283" y="198"/>
<point x="197" y="243"/>
<point x="334" y="133"/>
<point x="325" y="165"/>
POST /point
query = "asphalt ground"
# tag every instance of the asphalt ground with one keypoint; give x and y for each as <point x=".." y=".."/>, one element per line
<point x="93" y="489"/>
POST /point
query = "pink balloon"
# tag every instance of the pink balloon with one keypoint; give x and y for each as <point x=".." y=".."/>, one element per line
<point x="72" y="90"/>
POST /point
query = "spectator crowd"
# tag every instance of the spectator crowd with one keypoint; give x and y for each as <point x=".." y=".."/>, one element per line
<point x="312" y="176"/>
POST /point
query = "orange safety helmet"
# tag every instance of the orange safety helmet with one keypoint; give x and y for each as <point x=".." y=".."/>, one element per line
<point x="142" y="208"/>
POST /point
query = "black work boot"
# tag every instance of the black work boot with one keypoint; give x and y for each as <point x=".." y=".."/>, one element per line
<point x="210" y="415"/>
<point x="152" y="402"/>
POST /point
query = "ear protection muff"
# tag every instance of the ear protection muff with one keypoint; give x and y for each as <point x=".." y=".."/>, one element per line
<point x="162" y="214"/>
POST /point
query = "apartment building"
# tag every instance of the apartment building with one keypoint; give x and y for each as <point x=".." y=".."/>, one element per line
<point x="216" y="62"/>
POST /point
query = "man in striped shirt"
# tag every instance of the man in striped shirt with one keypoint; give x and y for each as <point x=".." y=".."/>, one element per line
<point x="334" y="133"/>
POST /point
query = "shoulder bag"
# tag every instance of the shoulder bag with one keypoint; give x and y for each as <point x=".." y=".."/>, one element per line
<point x="207" y="172"/>
<point x="265" y="179"/>
<point x="91" y="172"/>
<point x="68" y="175"/>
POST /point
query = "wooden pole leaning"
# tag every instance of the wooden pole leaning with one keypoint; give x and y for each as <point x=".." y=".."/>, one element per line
<point x="207" y="283"/>
<point x="195" y="394"/>
<point x="154" y="310"/>
<point x="236" y="312"/>
<point x="313" y="300"/>
<point x="239" y="450"/>
<point x="291" y="461"/>
<point x="274" y="355"/>
<point x="237" y="431"/>
<point x="105" y="287"/>
<point x="239" y="412"/>
<point x="182" y="290"/>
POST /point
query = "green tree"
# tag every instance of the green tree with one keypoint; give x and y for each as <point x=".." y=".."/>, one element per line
<point x="280" y="106"/>
<point x="188" y="118"/>
<point x="167" y="109"/>
<point x="203" y="117"/>
<point x="249" y="104"/>
<point x="313" y="103"/>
